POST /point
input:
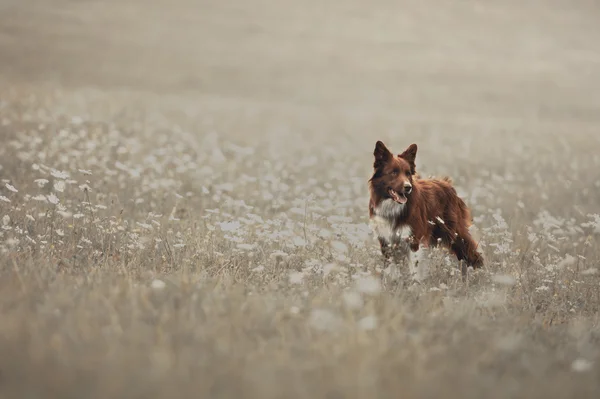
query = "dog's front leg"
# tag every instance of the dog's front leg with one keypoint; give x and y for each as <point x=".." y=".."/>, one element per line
<point x="386" y="249"/>
<point x="415" y="238"/>
<point x="397" y="255"/>
<point x="401" y="251"/>
<point x="389" y="250"/>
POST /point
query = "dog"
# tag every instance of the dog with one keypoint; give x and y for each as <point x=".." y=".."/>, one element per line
<point x="428" y="212"/>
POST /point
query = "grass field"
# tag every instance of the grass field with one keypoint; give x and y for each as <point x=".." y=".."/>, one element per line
<point x="183" y="198"/>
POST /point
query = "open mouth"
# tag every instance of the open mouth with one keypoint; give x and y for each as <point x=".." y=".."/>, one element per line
<point x="398" y="197"/>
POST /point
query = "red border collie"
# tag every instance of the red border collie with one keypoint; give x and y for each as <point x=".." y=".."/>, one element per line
<point x="429" y="209"/>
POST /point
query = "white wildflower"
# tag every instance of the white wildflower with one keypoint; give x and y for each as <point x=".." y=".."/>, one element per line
<point x="40" y="197"/>
<point x="595" y="223"/>
<point x="179" y="245"/>
<point x="258" y="269"/>
<point x="368" y="323"/>
<point x="30" y="218"/>
<point x="59" y="185"/>
<point x="158" y="284"/>
<point x="339" y="246"/>
<point x="11" y="188"/>
<point x="324" y="320"/>
<point x="85" y="172"/>
<point x="296" y="277"/>
<point x="554" y="248"/>
<point x="542" y="288"/>
<point x="78" y="216"/>
<point x="368" y="285"/>
<point x="59" y="232"/>
<point x="4" y="199"/>
<point x="41" y="182"/>
<point x="229" y="226"/>
<point x="532" y="237"/>
<point x="569" y="260"/>
<point x="299" y="241"/>
<point x="53" y="199"/>
<point x="59" y="174"/>
<point x="85" y="187"/>
<point x="590" y="272"/>
<point x="12" y="242"/>
<point x="254" y="217"/>
<point x="491" y="299"/>
<point x="581" y="365"/>
<point x="324" y="233"/>
<point x="500" y="222"/>
<point x="504" y="279"/>
<point x="145" y="226"/>
<point x="353" y="300"/>
<point x="5" y="220"/>
<point x="217" y="155"/>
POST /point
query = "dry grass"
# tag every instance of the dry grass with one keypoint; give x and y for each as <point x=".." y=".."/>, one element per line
<point x="136" y="264"/>
<point x="218" y="246"/>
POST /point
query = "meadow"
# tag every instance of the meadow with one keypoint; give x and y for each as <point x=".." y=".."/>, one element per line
<point x="168" y="235"/>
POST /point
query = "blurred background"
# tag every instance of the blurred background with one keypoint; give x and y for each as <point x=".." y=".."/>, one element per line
<point x="457" y="62"/>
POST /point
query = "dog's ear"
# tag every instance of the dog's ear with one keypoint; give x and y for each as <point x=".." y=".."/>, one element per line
<point x="382" y="155"/>
<point x="410" y="155"/>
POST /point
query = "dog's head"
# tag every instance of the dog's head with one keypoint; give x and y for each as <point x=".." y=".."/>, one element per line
<point x="393" y="175"/>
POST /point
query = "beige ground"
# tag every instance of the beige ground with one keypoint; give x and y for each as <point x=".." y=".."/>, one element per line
<point x="200" y="229"/>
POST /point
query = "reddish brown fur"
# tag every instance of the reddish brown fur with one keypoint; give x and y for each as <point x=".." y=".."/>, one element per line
<point x="429" y="200"/>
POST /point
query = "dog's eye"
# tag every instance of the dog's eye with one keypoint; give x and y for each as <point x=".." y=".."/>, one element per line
<point x="395" y="172"/>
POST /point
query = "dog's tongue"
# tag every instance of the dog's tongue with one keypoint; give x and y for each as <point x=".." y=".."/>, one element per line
<point x="399" y="198"/>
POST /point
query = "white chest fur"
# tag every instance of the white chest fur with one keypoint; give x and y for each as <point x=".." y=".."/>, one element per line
<point x="384" y="218"/>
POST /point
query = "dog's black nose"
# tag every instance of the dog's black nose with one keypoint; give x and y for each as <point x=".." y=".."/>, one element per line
<point x="407" y="188"/>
